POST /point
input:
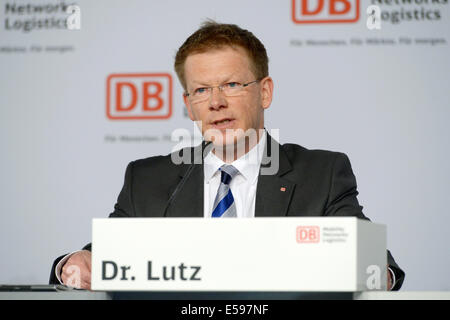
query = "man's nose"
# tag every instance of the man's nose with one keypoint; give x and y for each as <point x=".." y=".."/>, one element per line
<point x="217" y="99"/>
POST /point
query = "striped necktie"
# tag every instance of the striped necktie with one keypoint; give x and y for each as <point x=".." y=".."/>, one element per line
<point x="224" y="205"/>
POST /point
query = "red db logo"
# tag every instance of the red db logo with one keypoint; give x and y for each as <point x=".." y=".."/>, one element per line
<point x="310" y="234"/>
<point x="325" y="11"/>
<point x="134" y="96"/>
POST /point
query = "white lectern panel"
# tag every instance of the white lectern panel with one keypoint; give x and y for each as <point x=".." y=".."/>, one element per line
<point x="259" y="254"/>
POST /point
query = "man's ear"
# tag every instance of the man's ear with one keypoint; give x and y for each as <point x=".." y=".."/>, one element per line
<point x="188" y="107"/>
<point x="266" y="92"/>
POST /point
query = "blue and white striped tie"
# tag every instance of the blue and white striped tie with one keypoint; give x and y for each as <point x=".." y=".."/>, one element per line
<point x="224" y="206"/>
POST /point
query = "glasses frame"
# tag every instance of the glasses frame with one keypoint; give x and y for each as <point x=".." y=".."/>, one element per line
<point x="220" y="87"/>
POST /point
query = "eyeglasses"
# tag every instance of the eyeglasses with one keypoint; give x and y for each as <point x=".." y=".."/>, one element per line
<point x="230" y="89"/>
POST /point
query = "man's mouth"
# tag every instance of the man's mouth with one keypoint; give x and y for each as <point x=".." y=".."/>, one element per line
<point x="223" y="123"/>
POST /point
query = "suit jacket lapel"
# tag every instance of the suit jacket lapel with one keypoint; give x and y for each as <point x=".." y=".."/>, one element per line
<point x="188" y="202"/>
<point x="273" y="192"/>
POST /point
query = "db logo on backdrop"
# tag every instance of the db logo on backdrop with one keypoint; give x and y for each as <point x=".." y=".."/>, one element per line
<point x="309" y="234"/>
<point x="135" y="96"/>
<point x="325" y="11"/>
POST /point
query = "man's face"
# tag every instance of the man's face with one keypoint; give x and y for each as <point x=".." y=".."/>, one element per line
<point x="220" y="113"/>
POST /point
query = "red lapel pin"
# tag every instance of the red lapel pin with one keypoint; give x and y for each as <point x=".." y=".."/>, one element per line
<point x="283" y="189"/>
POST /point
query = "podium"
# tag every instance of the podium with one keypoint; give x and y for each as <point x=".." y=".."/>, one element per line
<point x="290" y="254"/>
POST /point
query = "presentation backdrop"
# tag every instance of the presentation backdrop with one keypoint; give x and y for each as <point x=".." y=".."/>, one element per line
<point x="88" y="86"/>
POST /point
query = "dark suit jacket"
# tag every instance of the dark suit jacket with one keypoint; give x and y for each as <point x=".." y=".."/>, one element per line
<point x="316" y="182"/>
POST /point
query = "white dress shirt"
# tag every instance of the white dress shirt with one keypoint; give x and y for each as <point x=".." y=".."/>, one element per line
<point x="243" y="185"/>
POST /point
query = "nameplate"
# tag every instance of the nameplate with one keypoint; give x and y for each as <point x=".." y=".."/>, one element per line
<point x="255" y="254"/>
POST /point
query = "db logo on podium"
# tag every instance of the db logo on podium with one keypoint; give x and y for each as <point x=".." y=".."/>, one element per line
<point x="309" y="234"/>
<point x="325" y="11"/>
<point x="135" y="96"/>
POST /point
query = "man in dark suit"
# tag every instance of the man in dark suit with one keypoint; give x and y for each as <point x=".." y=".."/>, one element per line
<point x="243" y="171"/>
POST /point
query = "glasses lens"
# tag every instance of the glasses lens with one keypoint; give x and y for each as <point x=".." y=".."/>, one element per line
<point x="198" y="97"/>
<point x="199" y="94"/>
<point x="232" y="88"/>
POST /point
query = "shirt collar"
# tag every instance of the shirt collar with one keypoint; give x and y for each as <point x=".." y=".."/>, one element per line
<point x="248" y="165"/>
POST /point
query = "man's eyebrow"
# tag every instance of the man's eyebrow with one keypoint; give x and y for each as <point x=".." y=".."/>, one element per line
<point x="201" y="84"/>
<point x="204" y="84"/>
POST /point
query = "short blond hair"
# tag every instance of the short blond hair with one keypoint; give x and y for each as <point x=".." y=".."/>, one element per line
<point x="213" y="35"/>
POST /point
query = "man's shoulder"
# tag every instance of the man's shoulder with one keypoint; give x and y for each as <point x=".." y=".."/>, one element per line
<point x="168" y="162"/>
<point x="297" y="153"/>
<point x="314" y="164"/>
<point x="153" y="161"/>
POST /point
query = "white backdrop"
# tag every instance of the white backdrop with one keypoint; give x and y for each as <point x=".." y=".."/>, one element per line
<point x="338" y="86"/>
